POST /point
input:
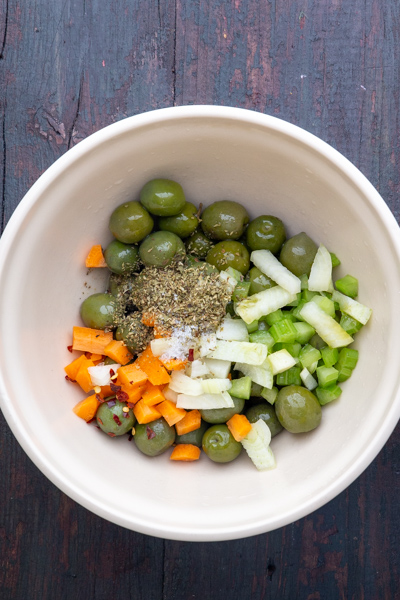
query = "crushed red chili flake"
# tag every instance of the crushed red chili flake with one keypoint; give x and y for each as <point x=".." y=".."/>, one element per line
<point x="130" y="437"/>
<point x="122" y="396"/>
<point x="69" y="379"/>
<point x="114" y="387"/>
<point x="130" y="404"/>
<point x="69" y="348"/>
<point x="150" y="433"/>
<point x="191" y="355"/>
<point x="91" y="420"/>
<point x="100" y="421"/>
<point x="111" y="403"/>
<point x="111" y="434"/>
<point x="112" y="372"/>
<point x="117" y="420"/>
<point x="99" y="398"/>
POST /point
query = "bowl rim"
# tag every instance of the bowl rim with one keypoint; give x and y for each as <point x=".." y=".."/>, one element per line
<point x="103" y="136"/>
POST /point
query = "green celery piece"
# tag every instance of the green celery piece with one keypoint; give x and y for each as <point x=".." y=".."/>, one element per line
<point x="241" y="291"/>
<point x="289" y="377"/>
<point x="304" y="332"/>
<point x="317" y="342"/>
<point x="289" y="315"/>
<point x="241" y="388"/>
<point x="274" y="317"/>
<point x="283" y="331"/>
<point x="252" y="327"/>
<point x="230" y="310"/>
<point x="293" y="349"/>
<point x="327" y="376"/>
<point x="325" y="304"/>
<point x="270" y="395"/>
<point x="344" y="374"/>
<point x="349" y="324"/>
<point x="256" y="389"/>
<point x="304" y="281"/>
<point x="234" y="273"/>
<point x="307" y="295"/>
<point x="262" y="337"/>
<point x="330" y="356"/>
<point x="296" y="310"/>
<point x="348" y="285"/>
<point x="308" y="355"/>
<point x="326" y="395"/>
<point x="348" y="357"/>
<point x="262" y="325"/>
<point x="295" y="302"/>
<point x="335" y="261"/>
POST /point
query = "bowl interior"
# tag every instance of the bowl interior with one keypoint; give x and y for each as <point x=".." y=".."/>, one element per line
<point x="271" y="168"/>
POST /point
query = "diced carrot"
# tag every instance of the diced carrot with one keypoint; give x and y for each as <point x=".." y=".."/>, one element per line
<point x="83" y="377"/>
<point x="185" y="452"/>
<point x="96" y="357"/>
<point x="152" y="394"/>
<point x="174" y="364"/>
<point x="159" y="332"/>
<point x="170" y="412"/>
<point x="106" y="391"/>
<point x="190" y="422"/>
<point x="145" y="414"/>
<point x="134" y="393"/>
<point x="73" y="368"/>
<point x="132" y="374"/>
<point x="148" y="319"/>
<point x="90" y="340"/>
<point x="95" y="258"/>
<point x="86" y="408"/>
<point x="153" y="367"/>
<point x="239" y="426"/>
<point x="118" y="352"/>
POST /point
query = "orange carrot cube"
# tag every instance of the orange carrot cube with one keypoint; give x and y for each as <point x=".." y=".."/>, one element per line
<point x="170" y="412"/>
<point x="83" y="377"/>
<point x="90" y="340"/>
<point x="152" y="394"/>
<point x="153" y="367"/>
<point x="239" y="426"/>
<point x="190" y="422"/>
<point x="86" y="408"/>
<point x="132" y="375"/>
<point x="118" y="352"/>
<point x="185" y="452"/>
<point x="73" y="367"/>
<point x="145" y="414"/>
<point x="95" y="258"/>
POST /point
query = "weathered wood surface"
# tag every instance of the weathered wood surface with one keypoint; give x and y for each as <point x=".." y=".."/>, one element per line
<point x="68" y="68"/>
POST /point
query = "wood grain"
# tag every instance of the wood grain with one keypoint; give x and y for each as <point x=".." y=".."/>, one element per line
<point x="68" y="68"/>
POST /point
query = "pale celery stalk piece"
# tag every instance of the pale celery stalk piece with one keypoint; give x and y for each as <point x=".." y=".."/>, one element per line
<point x="257" y="445"/>
<point x="263" y="303"/>
<point x="261" y="375"/>
<point x="100" y="374"/>
<point x="327" y="328"/>
<point x="183" y="384"/>
<point x="170" y="394"/>
<point x="232" y="330"/>
<point x="351" y="307"/>
<point x="313" y="367"/>
<point x="197" y="368"/>
<point x="252" y="354"/>
<point x="205" y="401"/>
<point x="320" y="278"/>
<point x="229" y="280"/>
<point x="281" y="361"/>
<point x="161" y="345"/>
<point x="218" y="368"/>
<point x="309" y="381"/>
<point x="270" y="266"/>
<point x="216" y="386"/>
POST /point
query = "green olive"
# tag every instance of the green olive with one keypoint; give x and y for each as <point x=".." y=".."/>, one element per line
<point x="266" y="412"/>
<point x="130" y="223"/>
<point x="97" y="311"/>
<point x="193" y="437"/>
<point x="133" y="333"/>
<point x="161" y="248"/>
<point x="155" y="437"/>
<point x="224" y="220"/>
<point x="193" y="262"/>
<point x="220" y="445"/>
<point x="297" y="409"/>
<point x="113" y="419"/>
<point x="229" y="254"/>
<point x="266" y="233"/>
<point x="258" y="281"/>
<point x="222" y="415"/>
<point x="298" y="254"/>
<point x="182" y="224"/>
<point x="198" y="244"/>
<point x="121" y="258"/>
<point x="163" y="197"/>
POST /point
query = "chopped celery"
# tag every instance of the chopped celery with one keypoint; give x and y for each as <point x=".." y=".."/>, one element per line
<point x="308" y="380"/>
<point x="347" y="361"/>
<point x="327" y="376"/>
<point x="317" y="342"/>
<point x="256" y="443"/>
<point x="234" y="273"/>
<point x="309" y="355"/>
<point x="216" y="386"/>
<point x="304" y="281"/>
<point x="326" y="327"/>
<point x="320" y="278"/>
<point x="326" y="304"/>
<point x="270" y="395"/>
<point x="232" y="330"/>
<point x="304" y="332"/>
<point x="289" y="377"/>
<point x="252" y="327"/>
<point x="270" y="266"/>
<point x="261" y="374"/>
<point x="263" y="303"/>
<point x="295" y="302"/>
<point x="274" y="317"/>
<point x="205" y="401"/>
<point x="262" y="326"/>
<point x="293" y="349"/>
<point x="283" y="331"/>
<point x="241" y="388"/>
<point x="349" y="324"/>
<point x="329" y="356"/>
<point x="326" y="395"/>
<point x="355" y="309"/>
<point x="281" y="361"/>
<point x="348" y="285"/>
<point x="307" y="295"/>
<point x="335" y="261"/>
<point x="241" y="291"/>
<point x="197" y="368"/>
<point x="246" y="352"/>
<point x="182" y="384"/>
<point x="218" y="368"/>
<point x="297" y="310"/>
<point x="262" y="337"/>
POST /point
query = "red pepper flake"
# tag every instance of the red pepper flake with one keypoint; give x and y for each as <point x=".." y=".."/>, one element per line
<point x="130" y="438"/>
<point x="111" y="403"/>
<point x="112" y="372"/>
<point x="69" y="379"/>
<point x="115" y="388"/>
<point x="99" y="398"/>
<point x="111" y="434"/>
<point x="122" y="396"/>
<point x="150" y="433"/>
<point x="130" y="404"/>
<point x="116" y="419"/>
<point x="91" y="420"/>
<point x="69" y="348"/>
<point x="100" y="421"/>
<point x="191" y="355"/>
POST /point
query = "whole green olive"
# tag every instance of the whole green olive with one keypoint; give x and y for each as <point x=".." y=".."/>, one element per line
<point x="161" y="248"/>
<point x="258" y="281"/>
<point x="183" y="224"/>
<point x="121" y="258"/>
<point x="266" y="233"/>
<point x="193" y="437"/>
<point x="155" y="437"/>
<point x="297" y="409"/>
<point x="224" y="220"/>
<point x="130" y="223"/>
<point x="266" y="412"/>
<point x="229" y="254"/>
<point x="298" y="254"/>
<point x="163" y="197"/>
<point x="220" y="445"/>
<point x="198" y="244"/>
<point x="222" y="415"/>
<point x="112" y="419"/>
<point x="97" y="311"/>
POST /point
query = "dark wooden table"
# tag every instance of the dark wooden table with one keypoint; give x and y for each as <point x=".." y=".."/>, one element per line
<point x="70" y="67"/>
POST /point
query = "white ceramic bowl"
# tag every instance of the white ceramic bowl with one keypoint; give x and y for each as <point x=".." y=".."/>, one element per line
<point x="271" y="167"/>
